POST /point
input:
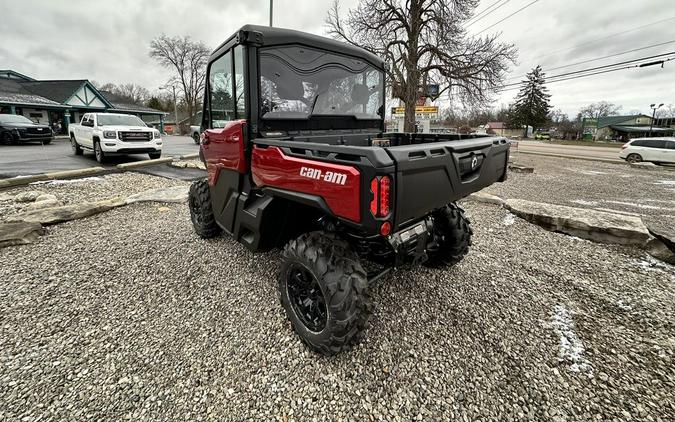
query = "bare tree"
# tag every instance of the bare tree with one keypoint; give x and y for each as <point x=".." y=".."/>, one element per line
<point x="130" y="92"/>
<point x="600" y="109"/>
<point x="424" y="43"/>
<point x="188" y="59"/>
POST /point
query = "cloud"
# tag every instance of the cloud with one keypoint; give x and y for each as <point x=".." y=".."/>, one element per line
<point x="108" y="41"/>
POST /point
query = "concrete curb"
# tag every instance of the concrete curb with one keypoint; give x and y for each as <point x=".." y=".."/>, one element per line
<point x="67" y="174"/>
<point x="137" y="164"/>
<point x="88" y="171"/>
<point x="188" y="156"/>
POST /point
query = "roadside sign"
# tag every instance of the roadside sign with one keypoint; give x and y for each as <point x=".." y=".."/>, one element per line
<point x="418" y="110"/>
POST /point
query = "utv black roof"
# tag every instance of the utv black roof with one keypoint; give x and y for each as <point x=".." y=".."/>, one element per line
<point x="269" y="36"/>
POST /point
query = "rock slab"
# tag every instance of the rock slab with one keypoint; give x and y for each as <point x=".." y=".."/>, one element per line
<point x="516" y="168"/>
<point x="63" y="213"/>
<point x="661" y="229"/>
<point x="28" y="196"/>
<point x="598" y="226"/>
<point x="19" y="233"/>
<point x="178" y="194"/>
<point x="659" y="250"/>
<point x="485" y="198"/>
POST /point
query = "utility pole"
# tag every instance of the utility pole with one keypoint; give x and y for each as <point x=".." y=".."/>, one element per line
<point x="271" y="11"/>
<point x="651" y="123"/>
<point x="175" y="105"/>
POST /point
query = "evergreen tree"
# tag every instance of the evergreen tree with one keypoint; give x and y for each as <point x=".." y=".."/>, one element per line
<point x="532" y="103"/>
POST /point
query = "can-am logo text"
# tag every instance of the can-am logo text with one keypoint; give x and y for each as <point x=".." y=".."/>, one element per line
<point x="329" y="176"/>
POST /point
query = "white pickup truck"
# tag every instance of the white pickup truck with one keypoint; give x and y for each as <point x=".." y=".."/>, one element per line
<point x="107" y="133"/>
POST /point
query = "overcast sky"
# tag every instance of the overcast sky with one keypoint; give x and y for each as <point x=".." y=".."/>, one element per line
<point x="108" y="41"/>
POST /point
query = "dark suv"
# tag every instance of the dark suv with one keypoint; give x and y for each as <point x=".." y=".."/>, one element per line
<point x="16" y="129"/>
<point x="298" y="158"/>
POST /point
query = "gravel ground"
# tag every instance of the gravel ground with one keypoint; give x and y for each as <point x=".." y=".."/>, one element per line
<point x="590" y="184"/>
<point x="86" y="189"/>
<point x="121" y="316"/>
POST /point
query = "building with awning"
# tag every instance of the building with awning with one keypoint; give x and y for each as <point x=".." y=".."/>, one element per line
<point x="627" y="127"/>
<point x="60" y="102"/>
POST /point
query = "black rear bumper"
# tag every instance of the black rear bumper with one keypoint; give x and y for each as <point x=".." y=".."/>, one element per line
<point x="431" y="175"/>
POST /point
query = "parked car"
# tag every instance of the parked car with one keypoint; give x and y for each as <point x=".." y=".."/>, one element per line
<point x="542" y="136"/>
<point x="195" y="132"/>
<point x="655" y="150"/>
<point x="15" y="129"/>
<point x="315" y="173"/>
<point x="109" y="133"/>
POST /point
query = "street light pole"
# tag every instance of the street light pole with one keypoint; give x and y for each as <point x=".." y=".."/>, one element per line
<point x="651" y="122"/>
<point x="271" y="9"/>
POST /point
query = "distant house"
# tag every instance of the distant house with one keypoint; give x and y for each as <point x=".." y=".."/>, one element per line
<point x="60" y="102"/>
<point x="626" y="127"/>
<point x="499" y="128"/>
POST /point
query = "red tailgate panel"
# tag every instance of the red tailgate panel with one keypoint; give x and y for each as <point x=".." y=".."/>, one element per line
<point x="338" y="185"/>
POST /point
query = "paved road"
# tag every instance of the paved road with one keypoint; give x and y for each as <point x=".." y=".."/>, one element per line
<point x="20" y="160"/>
<point x="572" y="150"/>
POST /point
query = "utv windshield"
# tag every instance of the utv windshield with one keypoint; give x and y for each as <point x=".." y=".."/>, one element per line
<point x="299" y="82"/>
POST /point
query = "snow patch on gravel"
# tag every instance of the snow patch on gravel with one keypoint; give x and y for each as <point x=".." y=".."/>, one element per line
<point x="509" y="219"/>
<point x="636" y="205"/>
<point x="584" y="202"/>
<point x="666" y="182"/>
<point x="571" y="347"/>
<point x="651" y="264"/>
<point x="68" y="181"/>
<point x="586" y="172"/>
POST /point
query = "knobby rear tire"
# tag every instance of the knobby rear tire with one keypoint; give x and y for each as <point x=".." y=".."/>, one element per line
<point x="453" y="232"/>
<point x="344" y="286"/>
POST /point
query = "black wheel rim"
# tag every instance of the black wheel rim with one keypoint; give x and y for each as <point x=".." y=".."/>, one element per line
<point x="306" y="298"/>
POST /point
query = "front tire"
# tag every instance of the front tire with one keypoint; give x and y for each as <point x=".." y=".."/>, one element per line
<point x="155" y="155"/>
<point x="195" y="137"/>
<point x="98" y="152"/>
<point x="201" y="210"/>
<point x="452" y="232"/>
<point x="7" y="138"/>
<point x="324" y="291"/>
<point x="75" y="146"/>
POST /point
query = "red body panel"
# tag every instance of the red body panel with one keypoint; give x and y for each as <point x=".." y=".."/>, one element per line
<point x="338" y="185"/>
<point x="224" y="149"/>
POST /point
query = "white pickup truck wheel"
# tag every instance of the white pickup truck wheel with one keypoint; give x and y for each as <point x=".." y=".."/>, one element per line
<point x="98" y="151"/>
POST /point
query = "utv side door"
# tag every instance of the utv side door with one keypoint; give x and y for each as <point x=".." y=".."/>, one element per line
<point x="224" y="138"/>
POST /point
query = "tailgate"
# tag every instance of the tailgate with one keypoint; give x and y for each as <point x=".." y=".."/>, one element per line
<point x="431" y="175"/>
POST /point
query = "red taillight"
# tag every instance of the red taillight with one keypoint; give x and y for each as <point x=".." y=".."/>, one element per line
<point x="381" y="189"/>
<point x="373" y="203"/>
<point x="385" y="186"/>
<point x="385" y="229"/>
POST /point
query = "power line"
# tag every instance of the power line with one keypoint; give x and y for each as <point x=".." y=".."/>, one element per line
<point x="576" y="72"/>
<point x="606" y="37"/>
<point x="602" y="58"/>
<point x="592" y="74"/>
<point x="503" y="19"/>
<point x="484" y="10"/>
<point x="477" y="19"/>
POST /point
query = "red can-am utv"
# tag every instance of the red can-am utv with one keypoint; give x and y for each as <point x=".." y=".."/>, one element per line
<point x="294" y="142"/>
